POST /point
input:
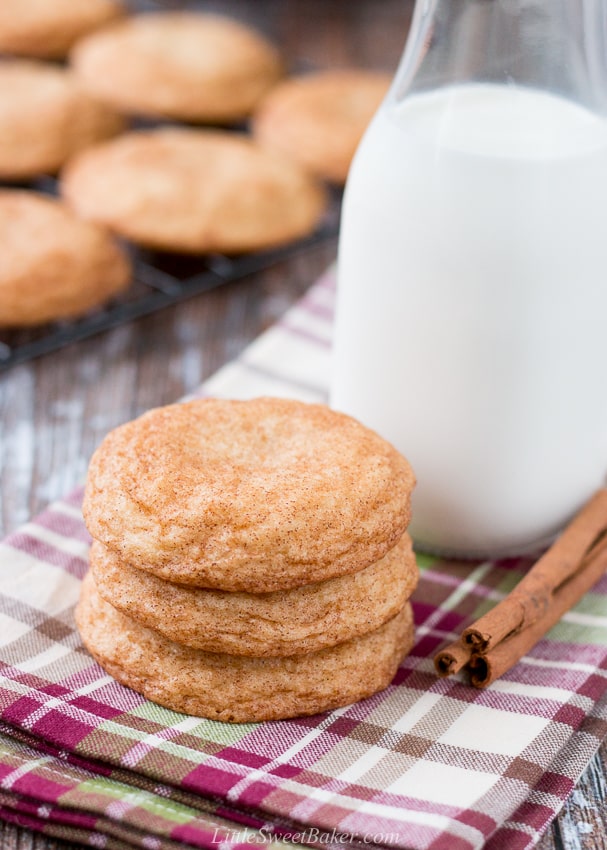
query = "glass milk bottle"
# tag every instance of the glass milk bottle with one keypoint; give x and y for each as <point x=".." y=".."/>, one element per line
<point x="472" y="272"/>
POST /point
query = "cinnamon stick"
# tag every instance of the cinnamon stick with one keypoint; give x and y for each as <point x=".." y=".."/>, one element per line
<point x="557" y="581"/>
<point x="452" y="658"/>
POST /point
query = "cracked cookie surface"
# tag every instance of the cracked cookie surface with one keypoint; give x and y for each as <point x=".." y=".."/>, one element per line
<point x="235" y="688"/>
<point x="287" y="622"/>
<point x="257" y="496"/>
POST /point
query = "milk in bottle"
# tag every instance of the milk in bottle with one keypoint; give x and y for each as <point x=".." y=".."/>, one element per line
<point x="472" y="307"/>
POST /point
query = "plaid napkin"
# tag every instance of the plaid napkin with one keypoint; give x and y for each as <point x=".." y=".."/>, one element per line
<point x="429" y="764"/>
<point x="53" y="792"/>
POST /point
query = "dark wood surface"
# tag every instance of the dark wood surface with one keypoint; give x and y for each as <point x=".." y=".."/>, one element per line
<point x="54" y="411"/>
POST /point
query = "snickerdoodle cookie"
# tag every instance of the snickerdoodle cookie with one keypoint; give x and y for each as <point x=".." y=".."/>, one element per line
<point x="46" y="29"/>
<point x="236" y="688"/>
<point x="193" y="191"/>
<point x="187" y="66"/>
<point x="53" y="265"/>
<point x="318" y="119"/>
<point x="285" y="622"/>
<point x="257" y="495"/>
<point x="45" y="117"/>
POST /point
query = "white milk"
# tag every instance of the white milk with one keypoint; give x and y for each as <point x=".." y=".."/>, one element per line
<point x="472" y="309"/>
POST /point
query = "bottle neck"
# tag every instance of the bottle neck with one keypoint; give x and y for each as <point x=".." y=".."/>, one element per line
<point x="559" y="46"/>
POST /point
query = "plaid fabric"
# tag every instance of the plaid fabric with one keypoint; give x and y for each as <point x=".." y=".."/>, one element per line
<point x="429" y="764"/>
<point x="59" y="795"/>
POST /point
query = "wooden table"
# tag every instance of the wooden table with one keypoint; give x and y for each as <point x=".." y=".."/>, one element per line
<point x="54" y="411"/>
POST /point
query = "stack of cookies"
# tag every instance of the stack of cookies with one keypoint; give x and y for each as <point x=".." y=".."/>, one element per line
<point x="250" y="559"/>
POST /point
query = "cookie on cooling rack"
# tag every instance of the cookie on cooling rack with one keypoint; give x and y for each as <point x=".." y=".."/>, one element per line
<point x="258" y="495"/>
<point x="186" y="66"/>
<point x="287" y="622"/>
<point x="45" y="117"/>
<point x="318" y="119"/>
<point x="193" y="191"/>
<point x="46" y="29"/>
<point x="53" y="266"/>
<point x="236" y="688"/>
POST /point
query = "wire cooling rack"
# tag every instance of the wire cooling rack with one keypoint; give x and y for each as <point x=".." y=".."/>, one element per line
<point x="159" y="280"/>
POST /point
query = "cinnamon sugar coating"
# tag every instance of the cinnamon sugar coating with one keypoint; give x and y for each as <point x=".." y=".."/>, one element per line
<point x="186" y="66"/>
<point x="285" y="622"/>
<point x="54" y="266"/>
<point x="236" y="688"/>
<point x="193" y="191"/>
<point x="253" y="496"/>
<point x="318" y="119"/>
<point x="46" y="117"/>
<point x="46" y="29"/>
